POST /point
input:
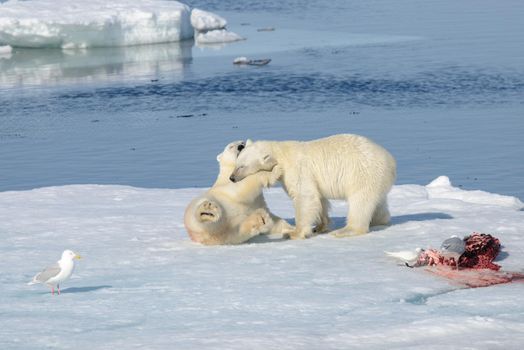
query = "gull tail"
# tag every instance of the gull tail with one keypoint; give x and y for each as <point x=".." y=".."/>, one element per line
<point x="403" y="255"/>
<point x="33" y="281"/>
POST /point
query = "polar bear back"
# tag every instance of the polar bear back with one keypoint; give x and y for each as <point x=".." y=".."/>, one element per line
<point x="339" y="166"/>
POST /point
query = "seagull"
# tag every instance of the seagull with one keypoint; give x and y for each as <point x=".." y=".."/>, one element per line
<point x="453" y="247"/>
<point x="409" y="257"/>
<point x="55" y="274"/>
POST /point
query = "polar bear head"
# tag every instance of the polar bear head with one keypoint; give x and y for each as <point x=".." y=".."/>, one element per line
<point x="255" y="157"/>
<point x="229" y="156"/>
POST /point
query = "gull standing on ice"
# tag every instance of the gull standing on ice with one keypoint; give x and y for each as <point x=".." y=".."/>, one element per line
<point x="55" y="274"/>
<point x="453" y="247"/>
<point x="409" y="257"/>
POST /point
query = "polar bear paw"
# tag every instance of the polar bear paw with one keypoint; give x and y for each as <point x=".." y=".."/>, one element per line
<point x="261" y="221"/>
<point x="345" y="232"/>
<point x="296" y="234"/>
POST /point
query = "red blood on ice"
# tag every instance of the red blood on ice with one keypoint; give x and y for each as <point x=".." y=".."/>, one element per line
<point x="474" y="278"/>
<point x="477" y="267"/>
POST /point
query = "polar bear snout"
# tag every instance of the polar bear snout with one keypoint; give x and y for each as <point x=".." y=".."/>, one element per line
<point x="238" y="174"/>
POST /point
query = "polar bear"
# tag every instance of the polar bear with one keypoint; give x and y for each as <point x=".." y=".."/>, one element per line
<point x="346" y="166"/>
<point x="231" y="213"/>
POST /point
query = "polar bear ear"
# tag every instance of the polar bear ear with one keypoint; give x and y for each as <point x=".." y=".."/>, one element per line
<point x="218" y="157"/>
<point x="249" y="142"/>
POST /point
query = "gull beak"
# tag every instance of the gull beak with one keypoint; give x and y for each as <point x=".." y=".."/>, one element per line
<point x="77" y="256"/>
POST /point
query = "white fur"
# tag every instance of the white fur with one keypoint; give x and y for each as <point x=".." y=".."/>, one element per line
<point x="230" y="213"/>
<point x="349" y="167"/>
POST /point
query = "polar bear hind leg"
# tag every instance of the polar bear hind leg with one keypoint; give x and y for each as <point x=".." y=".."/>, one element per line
<point x="361" y="210"/>
<point x="381" y="215"/>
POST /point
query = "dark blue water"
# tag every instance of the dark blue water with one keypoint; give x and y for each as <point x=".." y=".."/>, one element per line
<point x="448" y="101"/>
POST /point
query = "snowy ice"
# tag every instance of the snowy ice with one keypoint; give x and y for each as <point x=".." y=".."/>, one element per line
<point x="143" y="283"/>
<point x="441" y="188"/>
<point x="79" y="24"/>
<point x="204" y="21"/>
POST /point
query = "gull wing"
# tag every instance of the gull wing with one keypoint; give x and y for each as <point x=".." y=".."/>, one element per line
<point x="47" y="273"/>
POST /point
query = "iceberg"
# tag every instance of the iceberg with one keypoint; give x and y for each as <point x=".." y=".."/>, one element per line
<point x="71" y="24"/>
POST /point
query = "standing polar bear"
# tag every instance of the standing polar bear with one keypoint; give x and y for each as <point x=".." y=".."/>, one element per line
<point x="231" y="213"/>
<point x="345" y="166"/>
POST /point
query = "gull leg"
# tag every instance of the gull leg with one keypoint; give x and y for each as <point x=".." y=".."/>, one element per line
<point x="53" y="290"/>
<point x="58" y="286"/>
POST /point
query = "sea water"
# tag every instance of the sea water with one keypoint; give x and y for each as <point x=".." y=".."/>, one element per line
<point x="438" y="83"/>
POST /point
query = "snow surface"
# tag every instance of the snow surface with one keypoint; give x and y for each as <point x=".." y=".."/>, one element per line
<point x="79" y="24"/>
<point x="144" y="284"/>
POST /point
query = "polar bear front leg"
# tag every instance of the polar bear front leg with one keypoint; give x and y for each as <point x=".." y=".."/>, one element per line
<point x="256" y="223"/>
<point x="323" y="226"/>
<point x="307" y="213"/>
<point x="281" y="226"/>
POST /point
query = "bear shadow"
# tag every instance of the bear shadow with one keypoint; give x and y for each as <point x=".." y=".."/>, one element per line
<point x="339" y="222"/>
<point x="401" y="219"/>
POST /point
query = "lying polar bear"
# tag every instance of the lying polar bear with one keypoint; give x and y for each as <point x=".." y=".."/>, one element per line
<point x="344" y="166"/>
<point x="231" y="213"/>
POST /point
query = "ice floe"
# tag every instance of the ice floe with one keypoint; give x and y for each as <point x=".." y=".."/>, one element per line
<point x="142" y="281"/>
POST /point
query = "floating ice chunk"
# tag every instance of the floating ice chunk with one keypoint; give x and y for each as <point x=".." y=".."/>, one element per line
<point x="241" y="60"/>
<point x="5" y="52"/>
<point x="6" y="49"/>
<point x="204" y="21"/>
<point x="217" y="36"/>
<point x="80" y="24"/>
<point x="441" y="187"/>
<point x="246" y="61"/>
